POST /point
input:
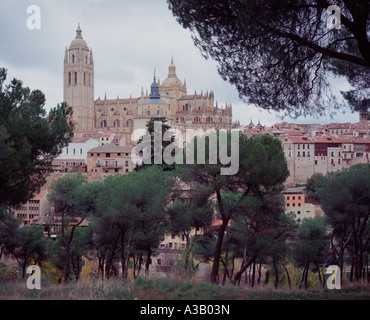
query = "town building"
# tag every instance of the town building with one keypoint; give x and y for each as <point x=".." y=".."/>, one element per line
<point x="110" y="159"/>
<point x="38" y="206"/>
<point x="295" y="202"/>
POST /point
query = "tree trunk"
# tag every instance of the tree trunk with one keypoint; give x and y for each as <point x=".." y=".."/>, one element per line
<point x="77" y="273"/>
<point x="319" y="275"/>
<point x="108" y="263"/>
<point x="140" y="263"/>
<point x="276" y="273"/>
<point x="254" y="272"/>
<point x="232" y="267"/>
<point x="123" y="254"/>
<point x="101" y="266"/>
<point x="267" y="277"/>
<point x="147" y="263"/>
<point x="67" y="244"/>
<point x="226" y="258"/>
<point x="23" y="269"/>
<point x="259" y="273"/>
<point x="287" y="274"/>
<point x="128" y="253"/>
<point x="67" y="254"/>
<point x="243" y="268"/>
<point x="306" y="276"/>
<point x="218" y="251"/>
<point x="367" y="266"/>
<point x="67" y="270"/>
<point x="246" y="276"/>
<point x="189" y="249"/>
<point x="356" y="249"/>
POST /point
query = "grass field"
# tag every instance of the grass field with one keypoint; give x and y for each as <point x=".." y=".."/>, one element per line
<point x="166" y="289"/>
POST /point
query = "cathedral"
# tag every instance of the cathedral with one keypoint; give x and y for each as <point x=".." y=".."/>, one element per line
<point x="168" y="99"/>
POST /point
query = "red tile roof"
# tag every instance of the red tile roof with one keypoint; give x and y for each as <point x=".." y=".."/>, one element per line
<point x="112" y="148"/>
<point x="40" y="195"/>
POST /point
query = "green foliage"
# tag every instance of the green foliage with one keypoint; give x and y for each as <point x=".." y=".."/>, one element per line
<point x="29" y="140"/>
<point x="29" y="245"/>
<point x="8" y="229"/>
<point x="280" y="55"/>
<point x="313" y="183"/>
<point x="132" y="208"/>
<point x="7" y="275"/>
<point x="263" y="167"/>
<point x="248" y="197"/>
<point x="188" y="214"/>
<point x="345" y="195"/>
<point x="345" y="198"/>
<point x="312" y="243"/>
<point x="189" y="218"/>
<point x="74" y="200"/>
<point x="151" y="135"/>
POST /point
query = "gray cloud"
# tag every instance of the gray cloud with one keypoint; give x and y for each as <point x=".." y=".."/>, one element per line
<point x="129" y="40"/>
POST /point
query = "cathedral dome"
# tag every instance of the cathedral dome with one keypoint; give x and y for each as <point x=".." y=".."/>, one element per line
<point x="78" y="42"/>
<point x="171" y="81"/>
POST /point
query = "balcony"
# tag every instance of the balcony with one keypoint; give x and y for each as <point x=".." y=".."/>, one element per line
<point x="112" y="167"/>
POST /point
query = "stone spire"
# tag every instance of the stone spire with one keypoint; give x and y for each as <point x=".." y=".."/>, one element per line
<point x="154" y="89"/>
<point x="172" y="69"/>
<point x="66" y="55"/>
<point x="91" y="57"/>
<point x="78" y="32"/>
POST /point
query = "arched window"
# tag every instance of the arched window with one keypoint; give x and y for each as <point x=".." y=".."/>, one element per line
<point x="116" y="123"/>
<point x="103" y="124"/>
<point x="75" y="77"/>
<point x="73" y="58"/>
<point x="148" y="112"/>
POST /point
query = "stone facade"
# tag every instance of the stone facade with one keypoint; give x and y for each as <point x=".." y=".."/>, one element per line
<point x="309" y="155"/>
<point x="110" y="159"/>
<point x="79" y="81"/>
<point x="38" y="206"/>
<point x="183" y="111"/>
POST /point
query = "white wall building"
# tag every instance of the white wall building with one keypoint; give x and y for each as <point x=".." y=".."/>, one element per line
<point x="77" y="149"/>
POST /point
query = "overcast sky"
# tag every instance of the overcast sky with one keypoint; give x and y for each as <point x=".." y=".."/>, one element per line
<point x="129" y="40"/>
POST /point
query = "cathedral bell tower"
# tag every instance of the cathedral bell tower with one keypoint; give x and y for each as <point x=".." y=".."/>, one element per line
<point x="79" y="82"/>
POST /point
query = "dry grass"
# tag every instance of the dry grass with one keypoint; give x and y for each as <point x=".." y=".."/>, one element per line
<point x="170" y="289"/>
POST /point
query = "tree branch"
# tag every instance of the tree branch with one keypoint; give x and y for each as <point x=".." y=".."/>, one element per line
<point x="325" y="51"/>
